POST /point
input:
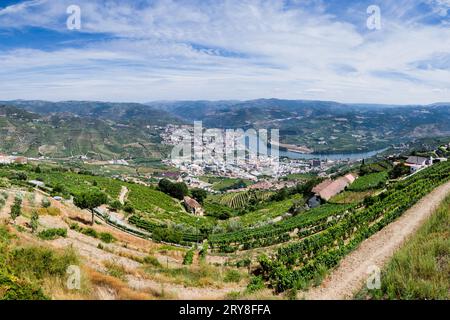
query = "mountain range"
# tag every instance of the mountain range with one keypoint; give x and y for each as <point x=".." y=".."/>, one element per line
<point x="114" y="130"/>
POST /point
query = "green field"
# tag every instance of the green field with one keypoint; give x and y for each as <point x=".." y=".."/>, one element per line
<point x="351" y="196"/>
<point x="299" y="264"/>
<point x="370" y="181"/>
<point x="222" y="183"/>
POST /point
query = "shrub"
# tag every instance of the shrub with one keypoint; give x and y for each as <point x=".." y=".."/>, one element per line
<point x="89" y="232"/>
<point x="76" y="227"/>
<point x="39" y="262"/>
<point x="188" y="257"/>
<point x="51" y="234"/>
<point x="243" y="263"/>
<point x="16" y="208"/>
<point x="151" y="260"/>
<point x="204" y="251"/>
<point x="232" y="276"/>
<point x="115" y="205"/>
<point x="128" y="208"/>
<point x="106" y="237"/>
<point x="34" y="222"/>
<point x="45" y="203"/>
<point x="15" y="289"/>
<point x="256" y="283"/>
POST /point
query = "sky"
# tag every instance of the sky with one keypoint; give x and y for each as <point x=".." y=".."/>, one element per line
<point x="153" y="50"/>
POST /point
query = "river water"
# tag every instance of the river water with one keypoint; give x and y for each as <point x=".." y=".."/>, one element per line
<point x="354" y="156"/>
<point x="331" y="156"/>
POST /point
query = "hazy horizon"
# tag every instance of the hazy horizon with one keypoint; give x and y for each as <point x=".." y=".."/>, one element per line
<point x="146" y="102"/>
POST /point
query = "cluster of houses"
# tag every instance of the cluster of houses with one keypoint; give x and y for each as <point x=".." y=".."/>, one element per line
<point x="4" y="159"/>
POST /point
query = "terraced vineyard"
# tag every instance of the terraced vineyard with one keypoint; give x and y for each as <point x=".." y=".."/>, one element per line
<point x="151" y="204"/>
<point x="298" y="263"/>
<point x="370" y="181"/>
<point x="237" y="200"/>
<point x="302" y="225"/>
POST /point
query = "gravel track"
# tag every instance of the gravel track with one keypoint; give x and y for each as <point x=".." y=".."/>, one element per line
<point x="352" y="273"/>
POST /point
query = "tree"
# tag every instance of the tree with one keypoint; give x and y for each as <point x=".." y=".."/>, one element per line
<point x="34" y="222"/>
<point x="90" y="200"/>
<point x="306" y="188"/>
<point x="177" y="190"/>
<point x="16" y="208"/>
<point x="59" y="188"/>
<point x="280" y="195"/>
<point x="128" y="208"/>
<point x="45" y="203"/>
<point x="199" y="194"/>
<point x="165" y="185"/>
<point x="398" y="171"/>
<point x="115" y="205"/>
<point x="189" y="257"/>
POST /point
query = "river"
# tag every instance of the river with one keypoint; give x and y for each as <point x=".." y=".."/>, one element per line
<point x="331" y="156"/>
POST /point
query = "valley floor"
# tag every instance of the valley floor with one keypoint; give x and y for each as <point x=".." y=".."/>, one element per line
<point x="350" y="276"/>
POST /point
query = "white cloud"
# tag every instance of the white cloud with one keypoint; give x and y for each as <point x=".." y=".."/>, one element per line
<point x="227" y="50"/>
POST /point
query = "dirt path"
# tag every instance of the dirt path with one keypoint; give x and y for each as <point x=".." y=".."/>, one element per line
<point x="352" y="272"/>
<point x="123" y="194"/>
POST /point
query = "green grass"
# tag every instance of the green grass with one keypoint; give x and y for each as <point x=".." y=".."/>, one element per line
<point x="23" y="270"/>
<point x="421" y="268"/>
<point x="222" y="183"/>
<point x="189" y="276"/>
<point x="115" y="270"/>
<point x="269" y="211"/>
<point x="370" y="181"/>
<point x="348" y="197"/>
<point x="154" y="205"/>
<point x="299" y="176"/>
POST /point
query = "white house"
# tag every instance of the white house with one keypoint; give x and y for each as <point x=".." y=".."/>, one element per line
<point x="416" y="163"/>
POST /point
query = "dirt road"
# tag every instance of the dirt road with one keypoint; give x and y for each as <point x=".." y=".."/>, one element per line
<point x="123" y="194"/>
<point x="352" y="272"/>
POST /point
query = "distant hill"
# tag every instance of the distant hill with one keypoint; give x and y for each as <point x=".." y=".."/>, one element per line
<point x="65" y="134"/>
<point x="135" y="113"/>
<point x="324" y="126"/>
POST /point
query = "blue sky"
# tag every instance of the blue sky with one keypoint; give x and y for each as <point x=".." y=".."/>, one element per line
<point x="232" y="49"/>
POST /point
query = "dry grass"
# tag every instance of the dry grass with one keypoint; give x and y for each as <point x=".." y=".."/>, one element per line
<point x="117" y="289"/>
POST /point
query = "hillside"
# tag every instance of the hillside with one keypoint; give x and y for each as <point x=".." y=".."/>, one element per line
<point x="128" y="113"/>
<point x="144" y="244"/>
<point x="321" y="125"/>
<point x="67" y="134"/>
